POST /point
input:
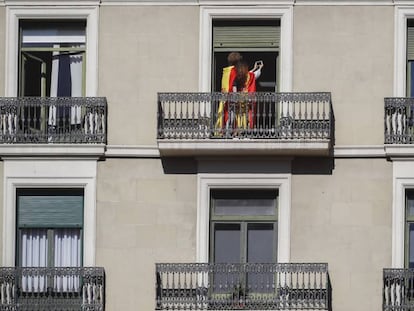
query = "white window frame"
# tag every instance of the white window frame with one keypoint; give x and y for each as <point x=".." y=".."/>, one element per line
<point x="402" y="14"/>
<point x="15" y="14"/>
<point x="206" y="182"/>
<point x="208" y="14"/>
<point x="20" y="173"/>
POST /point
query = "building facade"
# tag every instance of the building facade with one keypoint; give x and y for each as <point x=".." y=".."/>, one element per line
<point x="131" y="182"/>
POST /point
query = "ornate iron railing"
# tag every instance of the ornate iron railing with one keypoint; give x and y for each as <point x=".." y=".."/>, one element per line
<point x="398" y="290"/>
<point x="41" y="289"/>
<point x="399" y="120"/>
<point x="204" y="286"/>
<point x="53" y="120"/>
<point x="304" y="116"/>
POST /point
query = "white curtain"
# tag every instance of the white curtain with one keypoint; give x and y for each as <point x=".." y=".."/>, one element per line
<point x="67" y="245"/>
<point x="73" y="76"/>
<point x="34" y="254"/>
<point x="67" y="254"/>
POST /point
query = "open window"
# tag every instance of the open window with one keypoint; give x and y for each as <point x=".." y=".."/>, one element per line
<point x="255" y="40"/>
<point x="52" y="58"/>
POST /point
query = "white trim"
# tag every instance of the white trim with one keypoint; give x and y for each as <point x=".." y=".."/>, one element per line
<point x="343" y="2"/>
<point x="149" y="2"/>
<point x="205" y="182"/>
<point x="51" y="174"/>
<point x="132" y="151"/>
<point x="50" y="2"/>
<point x="14" y="14"/>
<point x="52" y="150"/>
<point x="400" y="46"/>
<point x="152" y="151"/>
<point x="403" y="178"/>
<point x="359" y="151"/>
<point x="207" y="14"/>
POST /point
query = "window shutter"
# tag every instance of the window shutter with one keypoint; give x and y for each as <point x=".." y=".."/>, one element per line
<point x="410" y="43"/>
<point x="41" y="211"/>
<point x="246" y="38"/>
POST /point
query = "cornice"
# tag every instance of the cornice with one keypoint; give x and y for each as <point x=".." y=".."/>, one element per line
<point x="54" y="3"/>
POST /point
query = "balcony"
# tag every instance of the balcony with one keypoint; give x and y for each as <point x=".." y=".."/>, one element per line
<point x="53" y="120"/>
<point x="204" y="286"/>
<point x="398" y="290"/>
<point x="41" y="289"/>
<point x="191" y="124"/>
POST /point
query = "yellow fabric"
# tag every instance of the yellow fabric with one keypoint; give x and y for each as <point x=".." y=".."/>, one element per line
<point x="225" y="78"/>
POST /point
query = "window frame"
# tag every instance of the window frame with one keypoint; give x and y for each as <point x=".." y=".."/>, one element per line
<point x="21" y="173"/>
<point x="280" y="182"/>
<point x="50" y="229"/>
<point x="13" y="17"/>
<point x="208" y="14"/>
<point x="243" y="221"/>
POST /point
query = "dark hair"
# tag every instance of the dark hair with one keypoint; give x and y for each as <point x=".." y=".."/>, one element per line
<point x="242" y="70"/>
<point x="233" y="58"/>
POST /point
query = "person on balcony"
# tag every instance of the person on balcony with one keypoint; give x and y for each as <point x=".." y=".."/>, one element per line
<point x="236" y="78"/>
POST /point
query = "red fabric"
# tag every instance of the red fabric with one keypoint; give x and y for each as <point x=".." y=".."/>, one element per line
<point x="249" y="87"/>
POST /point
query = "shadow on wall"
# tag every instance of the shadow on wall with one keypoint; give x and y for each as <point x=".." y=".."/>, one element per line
<point x="261" y="165"/>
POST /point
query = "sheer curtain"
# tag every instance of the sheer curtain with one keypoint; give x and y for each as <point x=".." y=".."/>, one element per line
<point x="67" y="254"/>
<point x="35" y="253"/>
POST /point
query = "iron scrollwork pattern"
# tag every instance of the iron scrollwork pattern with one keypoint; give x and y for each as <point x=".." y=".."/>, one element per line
<point x="47" y="289"/>
<point x="249" y="286"/>
<point x="398" y="289"/>
<point x="31" y="120"/>
<point x="282" y="116"/>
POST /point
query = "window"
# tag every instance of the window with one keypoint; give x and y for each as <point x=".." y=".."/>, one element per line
<point x="49" y="227"/>
<point x="409" y="229"/>
<point x="255" y="40"/>
<point x="243" y="226"/>
<point x="52" y="58"/>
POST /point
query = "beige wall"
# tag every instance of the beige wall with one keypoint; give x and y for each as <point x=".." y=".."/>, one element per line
<point x="345" y="219"/>
<point x="2" y="47"/>
<point x="144" y="50"/>
<point x="143" y="216"/>
<point x="347" y="50"/>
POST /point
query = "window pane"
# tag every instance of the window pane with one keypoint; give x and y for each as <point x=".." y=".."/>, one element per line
<point x="33" y="253"/>
<point x="411" y="245"/>
<point x="410" y="203"/>
<point x="260" y="243"/>
<point x="33" y="247"/>
<point x="260" y="249"/>
<point x="245" y="207"/>
<point x="227" y="243"/>
<point x="244" y="202"/>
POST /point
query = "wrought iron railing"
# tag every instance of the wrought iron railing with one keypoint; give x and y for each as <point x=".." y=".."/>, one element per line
<point x="304" y="116"/>
<point x="204" y="286"/>
<point x="398" y="290"/>
<point x="399" y="120"/>
<point x="27" y="120"/>
<point x="41" y="289"/>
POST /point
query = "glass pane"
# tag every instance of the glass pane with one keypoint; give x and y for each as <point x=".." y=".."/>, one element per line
<point x="227" y="243"/>
<point x="67" y="254"/>
<point x="247" y="207"/>
<point x="261" y="245"/>
<point x="53" y="32"/>
<point x="411" y="245"/>
<point x="244" y="202"/>
<point x="33" y="253"/>
<point x="33" y="247"/>
<point x="54" y="74"/>
<point x="410" y="203"/>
